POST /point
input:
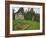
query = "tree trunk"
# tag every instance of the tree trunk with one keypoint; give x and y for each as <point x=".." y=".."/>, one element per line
<point x="32" y="18"/>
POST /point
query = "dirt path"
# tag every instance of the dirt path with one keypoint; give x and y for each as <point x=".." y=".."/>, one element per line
<point x="26" y="26"/>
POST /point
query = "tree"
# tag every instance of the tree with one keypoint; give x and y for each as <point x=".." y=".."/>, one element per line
<point x="28" y="15"/>
<point x="32" y="13"/>
<point x="21" y="10"/>
<point x="13" y="15"/>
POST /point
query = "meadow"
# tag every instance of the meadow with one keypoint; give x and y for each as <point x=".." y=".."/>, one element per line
<point x="22" y="24"/>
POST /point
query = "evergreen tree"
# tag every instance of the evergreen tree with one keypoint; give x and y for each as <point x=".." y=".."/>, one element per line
<point x="21" y="10"/>
<point x="32" y="13"/>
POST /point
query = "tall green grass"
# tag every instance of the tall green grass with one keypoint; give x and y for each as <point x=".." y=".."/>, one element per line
<point x="21" y="24"/>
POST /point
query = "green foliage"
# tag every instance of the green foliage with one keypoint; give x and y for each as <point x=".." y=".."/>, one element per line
<point x="37" y="17"/>
<point x="29" y="14"/>
<point x="21" y="10"/>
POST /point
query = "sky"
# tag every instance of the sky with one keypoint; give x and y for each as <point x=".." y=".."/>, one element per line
<point x="37" y="10"/>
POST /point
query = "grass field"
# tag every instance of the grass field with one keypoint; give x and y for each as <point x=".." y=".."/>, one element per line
<point x="21" y="24"/>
